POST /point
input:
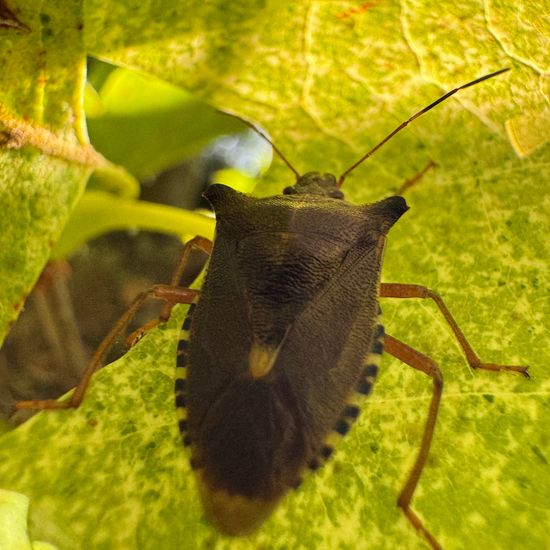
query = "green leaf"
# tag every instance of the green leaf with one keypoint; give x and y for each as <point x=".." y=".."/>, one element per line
<point x="330" y="80"/>
<point x="44" y="159"/>
<point x="13" y="523"/>
<point x="148" y="125"/>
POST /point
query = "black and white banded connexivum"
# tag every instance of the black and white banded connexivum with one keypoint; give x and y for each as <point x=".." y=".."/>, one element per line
<point x="284" y="340"/>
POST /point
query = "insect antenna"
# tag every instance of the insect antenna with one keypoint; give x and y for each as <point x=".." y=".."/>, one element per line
<point x="416" y="115"/>
<point x="263" y="135"/>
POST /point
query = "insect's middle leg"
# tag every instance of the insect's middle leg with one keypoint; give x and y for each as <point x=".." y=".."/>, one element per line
<point x="398" y="290"/>
<point x="421" y="362"/>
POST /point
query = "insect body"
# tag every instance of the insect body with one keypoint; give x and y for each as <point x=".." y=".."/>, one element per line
<point x="291" y="292"/>
<point x="285" y="335"/>
<point x="283" y="339"/>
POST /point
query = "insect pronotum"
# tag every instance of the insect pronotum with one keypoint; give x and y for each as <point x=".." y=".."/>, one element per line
<point x="284" y="340"/>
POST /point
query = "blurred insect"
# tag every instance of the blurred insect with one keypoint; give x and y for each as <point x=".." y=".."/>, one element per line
<point x="284" y="340"/>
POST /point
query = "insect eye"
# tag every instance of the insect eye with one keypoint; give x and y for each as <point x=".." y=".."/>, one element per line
<point x="289" y="190"/>
<point x="336" y="194"/>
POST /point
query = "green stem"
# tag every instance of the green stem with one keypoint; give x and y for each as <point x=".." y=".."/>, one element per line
<point x="99" y="212"/>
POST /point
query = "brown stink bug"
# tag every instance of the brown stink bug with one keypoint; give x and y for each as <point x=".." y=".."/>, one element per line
<point x="284" y="340"/>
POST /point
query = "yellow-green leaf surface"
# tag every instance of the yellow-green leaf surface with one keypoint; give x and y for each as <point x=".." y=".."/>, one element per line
<point x="328" y="80"/>
<point x="14" y="508"/>
<point x="44" y="161"/>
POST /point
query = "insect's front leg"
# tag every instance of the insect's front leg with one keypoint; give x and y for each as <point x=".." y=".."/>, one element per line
<point x="162" y="292"/>
<point x="195" y="244"/>
<point x="407" y="184"/>
<point x="398" y="290"/>
<point x="421" y="362"/>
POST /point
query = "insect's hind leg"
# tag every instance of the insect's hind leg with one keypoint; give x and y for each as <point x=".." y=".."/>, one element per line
<point x="421" y="362"/>
<point x="398" y="290"/>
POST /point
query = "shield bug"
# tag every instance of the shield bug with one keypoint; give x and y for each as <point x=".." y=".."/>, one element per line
<point x="284" y="340"/>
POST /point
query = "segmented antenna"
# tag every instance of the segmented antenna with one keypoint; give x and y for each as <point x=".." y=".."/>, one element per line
<point x="416" y="115"/>
<point x="375" y="148"/>
<point x="261" y="134"/>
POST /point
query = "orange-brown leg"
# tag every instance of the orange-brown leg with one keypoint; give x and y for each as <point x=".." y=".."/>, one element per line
<point x="398" y="290"/>
<point x="171" y="294"/>
<point x="422" y="363"/>
<point x="196" y="243"/>
<point x="407" y="184"/>
<point x="162" y="292"/>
